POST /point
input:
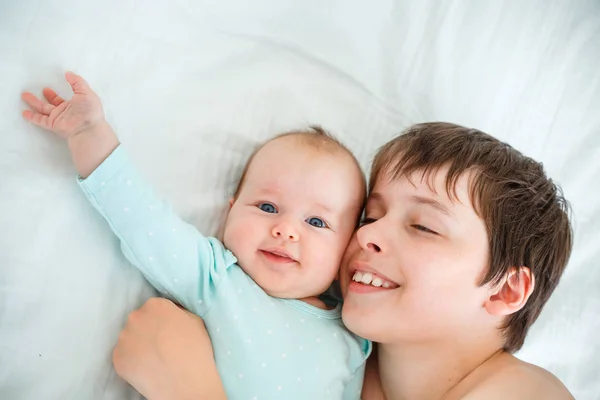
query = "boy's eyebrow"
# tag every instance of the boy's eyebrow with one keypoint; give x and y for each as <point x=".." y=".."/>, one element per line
<point x="374" y="196"/>
<point x="378" y="198"/>
<point x="432" y="203"/>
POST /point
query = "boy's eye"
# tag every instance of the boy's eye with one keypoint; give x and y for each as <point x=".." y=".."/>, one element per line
<point x="424" y="229"/>
<point x="366" y="221"/>
<point x="267" y="207"/>
<point x="317" y="222"/>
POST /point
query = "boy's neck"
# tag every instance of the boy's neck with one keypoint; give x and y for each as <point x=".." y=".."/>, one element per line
<point x="433" y="370"/>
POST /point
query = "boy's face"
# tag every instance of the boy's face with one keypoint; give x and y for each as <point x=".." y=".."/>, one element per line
<point x="428" y="250"/>
<point x="294" y="216"/>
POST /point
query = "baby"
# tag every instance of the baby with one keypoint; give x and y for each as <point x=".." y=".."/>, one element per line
<point x="292" y="215"/>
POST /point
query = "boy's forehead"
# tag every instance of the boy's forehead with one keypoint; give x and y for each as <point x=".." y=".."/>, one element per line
<point x="434" y="184"/>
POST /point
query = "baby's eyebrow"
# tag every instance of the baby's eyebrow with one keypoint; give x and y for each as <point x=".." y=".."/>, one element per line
<point x="324" y="207"/>
<point x="270" y="190"/>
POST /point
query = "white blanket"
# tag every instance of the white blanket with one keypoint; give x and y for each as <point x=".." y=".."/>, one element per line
<point x="191" y="86"/>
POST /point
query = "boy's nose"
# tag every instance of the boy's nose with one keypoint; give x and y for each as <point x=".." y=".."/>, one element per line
<point x="285" y="231"/>
<point x="368" y="238"/>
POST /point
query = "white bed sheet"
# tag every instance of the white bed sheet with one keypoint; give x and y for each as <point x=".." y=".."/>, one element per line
<point x="192" y="86"/>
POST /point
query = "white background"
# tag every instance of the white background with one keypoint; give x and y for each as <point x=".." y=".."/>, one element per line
<point x="192" y="86"/>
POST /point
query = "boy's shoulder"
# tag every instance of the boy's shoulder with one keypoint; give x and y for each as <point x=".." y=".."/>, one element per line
<point x="508" y="377"/>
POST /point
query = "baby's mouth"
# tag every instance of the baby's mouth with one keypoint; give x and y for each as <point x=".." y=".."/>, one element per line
<point x="278" y="256"/>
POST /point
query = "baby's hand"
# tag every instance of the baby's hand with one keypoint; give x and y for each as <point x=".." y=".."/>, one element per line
<point x="67" y="118"/>
<point x="79" y="120"/>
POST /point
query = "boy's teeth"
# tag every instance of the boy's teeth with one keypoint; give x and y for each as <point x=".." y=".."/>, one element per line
<point x="367" y="278"/>
<point x="357" y="276"/>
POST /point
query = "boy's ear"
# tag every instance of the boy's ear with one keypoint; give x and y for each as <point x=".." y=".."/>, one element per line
<point x="512" y="293"/>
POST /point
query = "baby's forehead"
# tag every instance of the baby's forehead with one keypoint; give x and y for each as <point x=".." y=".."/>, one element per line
<point x="301" y="162"/>
<point x="290" y="154"/>
<point x="331" y="185"/>
<point x="310" y="196"/>
<point x="309" y="181"/>
<point x="300" y="144"/>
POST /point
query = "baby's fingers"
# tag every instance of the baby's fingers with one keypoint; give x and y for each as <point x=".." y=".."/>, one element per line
<point x="36" y="104"/>
<point x="52" y="97"/>
<point x="78" y="84"/>
<point x="37" y="118"/>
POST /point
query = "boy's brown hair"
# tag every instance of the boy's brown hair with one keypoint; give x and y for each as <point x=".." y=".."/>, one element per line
<point x="314" y="137"/>
<point x="525" y="213"/>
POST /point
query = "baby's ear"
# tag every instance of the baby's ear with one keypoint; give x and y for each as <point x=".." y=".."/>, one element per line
<point x="512" y="293"/>
<point x="231" y="201"/>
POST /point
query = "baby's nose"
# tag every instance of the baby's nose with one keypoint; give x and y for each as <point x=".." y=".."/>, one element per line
<point x="285" y="231"/>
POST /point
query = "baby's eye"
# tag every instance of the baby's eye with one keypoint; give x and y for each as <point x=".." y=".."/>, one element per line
<point x="317" y="222"/>
<point x="267" y="207"/>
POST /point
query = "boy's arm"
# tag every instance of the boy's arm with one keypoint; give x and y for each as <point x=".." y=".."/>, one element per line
<point x="165" y="353"/>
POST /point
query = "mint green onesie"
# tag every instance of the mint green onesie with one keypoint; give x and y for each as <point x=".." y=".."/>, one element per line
<point x="265" y="347"/>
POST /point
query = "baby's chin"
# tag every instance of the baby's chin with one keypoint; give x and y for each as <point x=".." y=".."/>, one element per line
<point x="293" y="286"/>
<point x="285" y="289"/>
<point x="272" y="286"/>
<point x="287" y="292"/>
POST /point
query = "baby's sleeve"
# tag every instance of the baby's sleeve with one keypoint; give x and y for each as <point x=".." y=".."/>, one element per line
<point x="358" y="358"/>
<point x="173" y="255"/>
<point x="353" y="389"/>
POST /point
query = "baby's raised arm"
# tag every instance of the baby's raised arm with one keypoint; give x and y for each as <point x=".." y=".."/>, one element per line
<point x="173" y="256"/>
<point x="80" y="121"/>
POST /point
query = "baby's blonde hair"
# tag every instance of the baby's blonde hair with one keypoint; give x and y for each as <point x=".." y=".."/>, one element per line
<point x="314" y="137"/>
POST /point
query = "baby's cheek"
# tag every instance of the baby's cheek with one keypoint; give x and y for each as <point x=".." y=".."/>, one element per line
<point x="330" y="254"/>
<point x="235" y="237"/>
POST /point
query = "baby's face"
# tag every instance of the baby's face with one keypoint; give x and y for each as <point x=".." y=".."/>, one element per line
<point x="294" y="217"/>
